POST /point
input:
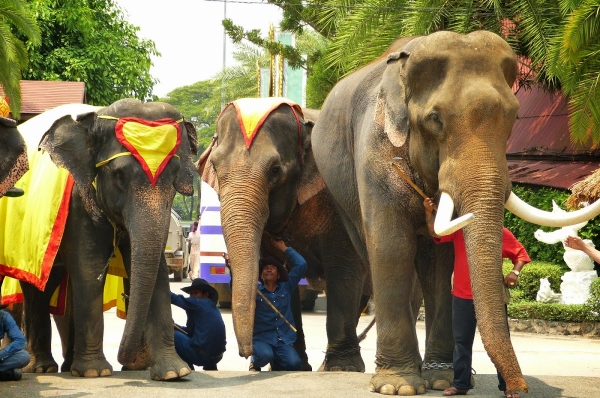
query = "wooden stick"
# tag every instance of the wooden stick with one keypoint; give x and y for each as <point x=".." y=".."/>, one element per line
<point x="276" y="310"/>
<point x="412" y="184"/>
<point x="178" y="328"/>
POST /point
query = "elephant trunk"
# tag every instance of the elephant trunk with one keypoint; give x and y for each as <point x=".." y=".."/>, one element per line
<point x="483" y="241"/>
<point x="147" y="230"/>
<point x="244" y="213"/>
<point x="12" y="167"/>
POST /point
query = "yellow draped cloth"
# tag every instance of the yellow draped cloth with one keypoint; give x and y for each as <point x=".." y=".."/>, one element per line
<point x="32" y="226"/>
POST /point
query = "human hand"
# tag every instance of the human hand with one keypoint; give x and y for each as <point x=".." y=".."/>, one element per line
<point x="511" y="280"/>
<point x="428" y="205"/>
<point x="280" y="244"/>
<point x="574" y="242"/>
<point x="226" y="258"/>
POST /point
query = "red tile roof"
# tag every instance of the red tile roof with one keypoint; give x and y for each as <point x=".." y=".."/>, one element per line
<point x="539" y="150"/>
<point x="38" y="96"/>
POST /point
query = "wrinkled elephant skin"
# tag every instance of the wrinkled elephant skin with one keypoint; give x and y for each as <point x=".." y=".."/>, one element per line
<point x="115" y="190"/>
<point x="443" y="103"/>
<point x="13" y="155"/>
<point x="274" y="187"/>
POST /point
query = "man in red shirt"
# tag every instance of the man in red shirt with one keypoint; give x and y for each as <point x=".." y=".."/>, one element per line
<point x="464" y="322"/>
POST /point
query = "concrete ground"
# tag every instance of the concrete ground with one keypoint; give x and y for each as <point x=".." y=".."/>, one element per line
<point x="566" y="366"/>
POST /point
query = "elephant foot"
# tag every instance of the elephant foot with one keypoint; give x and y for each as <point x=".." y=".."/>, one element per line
<point x="336" y="361"/>
<point x="390" y="382"/>
<point x="41" y="364"/>
<point x="437" y="378"/>
<point x="170" y="368"/>
<point x="94" y="368"/>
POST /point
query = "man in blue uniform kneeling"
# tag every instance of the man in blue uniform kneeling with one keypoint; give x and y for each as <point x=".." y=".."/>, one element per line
<point x="202" y="341"/>
<point x="274" y="330"/>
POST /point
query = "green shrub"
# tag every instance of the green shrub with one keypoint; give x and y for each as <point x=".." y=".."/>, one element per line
<point x="552" y="312"/>
<point x="593" y="302"/>
<point x="529" y="279"/>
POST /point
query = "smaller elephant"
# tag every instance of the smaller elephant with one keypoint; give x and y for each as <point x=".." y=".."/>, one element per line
<point x="264" y="172"/>
<point x="13" y="157"/>
<point x="117" y="171"/>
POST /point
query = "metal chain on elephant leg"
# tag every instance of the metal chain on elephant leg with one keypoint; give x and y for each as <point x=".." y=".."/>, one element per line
<point x="349" y="352"/>
<point x="437" y="375"/>
<point x="436" y="366"/>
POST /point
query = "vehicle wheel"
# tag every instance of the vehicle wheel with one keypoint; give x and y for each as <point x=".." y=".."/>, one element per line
<point x="178" y="275"/>
<point x="224" y="304"/>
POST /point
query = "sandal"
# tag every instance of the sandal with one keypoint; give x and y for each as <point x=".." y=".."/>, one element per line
<point x="509" y="394"/>
<point x="455" y="391"/>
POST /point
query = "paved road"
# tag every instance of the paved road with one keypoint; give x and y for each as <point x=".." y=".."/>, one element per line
<point x="554" y="367"/>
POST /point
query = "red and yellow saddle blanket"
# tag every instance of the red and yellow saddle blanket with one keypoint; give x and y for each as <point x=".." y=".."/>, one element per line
<point x="32" y="226"/>
<point x="252" y="113"/>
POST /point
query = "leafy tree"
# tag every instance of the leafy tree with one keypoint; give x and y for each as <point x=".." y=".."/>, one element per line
<point x="90" y="41"/>
<point x="15" y="15"/>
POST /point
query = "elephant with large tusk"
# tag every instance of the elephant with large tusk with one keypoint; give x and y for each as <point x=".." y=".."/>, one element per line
<point x="444" y="104"/>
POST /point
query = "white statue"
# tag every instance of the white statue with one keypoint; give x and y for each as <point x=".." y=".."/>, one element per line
<point x="545" y="294"/>
<point x="575" y="287"/>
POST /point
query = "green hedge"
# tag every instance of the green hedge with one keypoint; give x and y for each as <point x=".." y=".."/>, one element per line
<point x="593" y="301"/>
<point x="552" y="312"/>
<point x="523" y="304"/>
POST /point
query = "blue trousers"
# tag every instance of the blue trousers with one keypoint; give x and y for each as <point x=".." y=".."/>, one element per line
<point x="194" y="356"/>
<point x="281" y="356"/>
<point x="464" y="324"/>
<point x="18" y="360"/>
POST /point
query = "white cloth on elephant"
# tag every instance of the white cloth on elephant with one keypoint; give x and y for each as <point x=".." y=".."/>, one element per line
<point x="194" y="239"/>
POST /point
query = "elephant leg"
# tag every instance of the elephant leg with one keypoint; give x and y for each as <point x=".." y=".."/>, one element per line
<point x="65" y="327"/>
<point x="85" y="249"/>
<point x="344" y="292"/>
<point x="300" y="344"/>
<point x="38" y="327"/>
<point x="391" y="242"/>
<point x="159" y="333"/>
<point x="434" y="267"/>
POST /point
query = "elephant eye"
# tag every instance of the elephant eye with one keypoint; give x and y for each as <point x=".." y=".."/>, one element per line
<point x="434" y="116"/>
<point x="275" y="170"/>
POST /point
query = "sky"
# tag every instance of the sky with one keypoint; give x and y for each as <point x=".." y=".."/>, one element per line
<point x="189" y="36"/>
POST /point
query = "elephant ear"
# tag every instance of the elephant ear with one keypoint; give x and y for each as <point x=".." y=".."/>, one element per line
<point x="391" y="111"/>
<point x="69" y="143"/>
<point x="311" y="182"/>
<point x="205" y="167"/>
<point x="184" y="181"/>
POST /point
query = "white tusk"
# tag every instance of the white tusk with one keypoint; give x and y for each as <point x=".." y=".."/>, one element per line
<point x="443" y="224"/>
<point x="550" y="219"/>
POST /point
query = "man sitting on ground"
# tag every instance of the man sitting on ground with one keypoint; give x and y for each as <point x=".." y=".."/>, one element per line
<point x="14" y="356"/>
<point x="202" y="341"/>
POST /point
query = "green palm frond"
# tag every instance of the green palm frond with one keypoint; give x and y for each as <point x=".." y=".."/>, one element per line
<point x="574" y="59"/>
<point x="364" y="34"/>
<point x="17" y="13"/>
